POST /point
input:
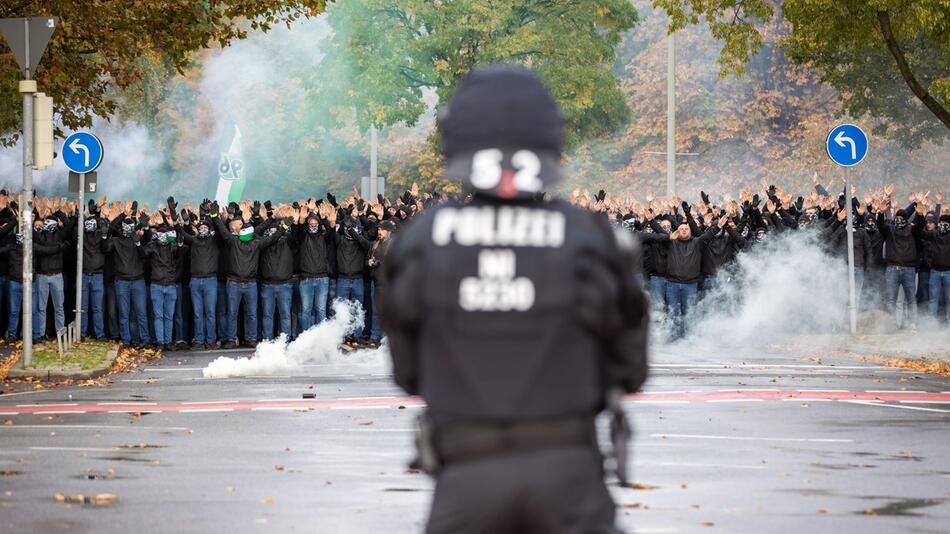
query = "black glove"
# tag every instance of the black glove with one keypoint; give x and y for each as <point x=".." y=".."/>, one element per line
<point x="704" y="196"/>
<point x="215" y="209"/>
<point x="685" y="206"/>
<point x="135" y="207"/>
<point x="381" y="200"/>
<point x="756" y="200"/>
<point x="331" y="199"/>
<point x="92" y="207"/>
<point x="185" y="215"/>
<point x="232" y="210"/>
<point x="256" y="207"/>
<point x="359" y="204"/>
<point x="800" y="203"/>
<point x="172" y="205"/>
<point x="600" y="195"/>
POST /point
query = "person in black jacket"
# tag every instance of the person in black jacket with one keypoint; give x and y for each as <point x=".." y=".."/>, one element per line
<point x="277" y="288"/>
<point x="243" y="252"/>
<point x="900" y="252"/>
<point x="95" y="233"/>
<point x="351" y="248"/>
<point x="203" y="268"/>
<point x="13" y="250"/>
<point x="939" y="240"/>
<point x="684" y="269"/>
<point x="124" y="244"/>
<point x="162" y="252"/>
<point x="838" y="239"/>
<point x="51" y="232"/>
<point x="377" y="255"/>
<point x="315" y="240"/>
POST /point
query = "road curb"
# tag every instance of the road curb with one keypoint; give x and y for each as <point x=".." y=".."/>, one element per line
<point x="63" y="373"/>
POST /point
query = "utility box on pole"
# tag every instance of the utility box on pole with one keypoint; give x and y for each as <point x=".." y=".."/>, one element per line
<point x="42" y="131"/>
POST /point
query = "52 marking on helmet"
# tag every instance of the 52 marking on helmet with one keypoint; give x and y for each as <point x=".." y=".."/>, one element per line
<point x="488" y="173"/>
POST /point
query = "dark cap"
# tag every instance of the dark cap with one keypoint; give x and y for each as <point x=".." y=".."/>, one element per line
<point x="504" y="116"/>
<point x="387" y="225"/>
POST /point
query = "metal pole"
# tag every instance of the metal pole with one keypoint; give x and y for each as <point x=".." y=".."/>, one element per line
<point x="27" y="88"/>
<point x="82" y="231"/>
<point x="372" y="164"/>
<point x="852" y="297"/>
<point x="670" y="118"/>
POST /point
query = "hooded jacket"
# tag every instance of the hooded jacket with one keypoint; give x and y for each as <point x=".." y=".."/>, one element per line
<point x="900" y="247"/>
<point x="126" y="253"/>
<point x="314" y="250"/>
<point x="205" y="253"/>
<point x="243" y="257"/>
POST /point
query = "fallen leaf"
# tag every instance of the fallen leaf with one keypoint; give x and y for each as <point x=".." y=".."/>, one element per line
<point x="286" y="449"/>
<point x="8" y="422"/>
<point x="279" y="467"/>
<point x="708" y="523"/>
<point x="51" y="434"/>
<point x="104" y="498"/>
<point x="269" y="500"/>
<point x="229" y="489"/>
<point x="366" y="423"/>
<point x="683" y="485"/>
<point x="642" y="486"/>
<point x="59" y="497"/>
<point x="632" y="505"/>
<point x="823" y="510"/>
<point x="870" y="511"/>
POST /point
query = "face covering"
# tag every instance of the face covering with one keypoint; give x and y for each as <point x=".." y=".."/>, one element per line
<point x="171" y="237"/>
<point x="246" y="233"/>
<point x="50" y="225"/>
<point x="204" y="232"/>
<point x="943" y="228"/>
<point x="900" y="224"/>
<point x="313" y="228"/>
<point x="667" y="230"/>
<point x="19" y="239"/>
<point x="90" y="225"/>
<point x="760" y="234"/>
<point x="128" y="229"/>
<point x="871" y="228"/>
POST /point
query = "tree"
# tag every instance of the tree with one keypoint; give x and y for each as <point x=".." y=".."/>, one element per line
<point x="879" y="54"/>
<point x="116" y="44"/>
<point x="392" y="51"/>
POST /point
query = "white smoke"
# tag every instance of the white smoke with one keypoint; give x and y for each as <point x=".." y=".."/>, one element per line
<point x="318" y="345"/>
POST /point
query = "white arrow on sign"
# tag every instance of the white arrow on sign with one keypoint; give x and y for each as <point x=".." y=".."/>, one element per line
<point x="841" y="139"/>
<point x="77" y="146"/>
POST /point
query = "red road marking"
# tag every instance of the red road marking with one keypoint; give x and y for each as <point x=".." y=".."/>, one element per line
<point x="377" y="402"/>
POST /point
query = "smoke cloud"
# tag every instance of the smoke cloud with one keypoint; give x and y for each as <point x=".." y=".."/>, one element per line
<point x="318" y="345"/>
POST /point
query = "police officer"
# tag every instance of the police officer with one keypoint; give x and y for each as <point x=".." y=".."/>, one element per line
<point x="513" y="318"/>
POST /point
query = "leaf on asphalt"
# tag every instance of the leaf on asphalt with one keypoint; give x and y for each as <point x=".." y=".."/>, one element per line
<point x="104" y="498"/>
<point x="870" y="511"/>
<point x="51" y="434"/>
<point x="632" y="505"/>
<point x="229" y="489"/>
<point x="8" y="422"/>
<point x="708" y="523"/>
<point x="38" y="386"/>
<point x="683" y="485"/>
<point x="642" y="486"/>
<point x="412" y="471"/>
<point x="279" y="467"/>
<point x="366" y="423"/>
<point x="59" y="497"/>
<point x="823" y="510"/>
<point x="269" y="500"/>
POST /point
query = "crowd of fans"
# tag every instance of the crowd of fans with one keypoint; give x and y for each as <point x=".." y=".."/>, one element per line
<point x="178" y="277"/>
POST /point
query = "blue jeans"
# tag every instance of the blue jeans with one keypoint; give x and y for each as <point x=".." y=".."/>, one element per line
<point x="939" y="280"/>
<point x="112" y="311"/>
<point x="224" y="322"/>
<point x="906" y="278"/>
<point x="130" y="297"/>
<point x="313" y="301"/>
<point x="179" y="317"/>
<point x="163" y="304"/>
<point x="93" y="301"/>
<point x="248" y="292"/>
<point x="279" y="297"/>
<point x="350" y="289"/>
<point x="204" y="299"/>
<point x="48" y="286"/>
<point x="15" y="300"/>
<point x="658" y="289"/>
<point x="680" y="298"/>
<point x="376" y="292"/>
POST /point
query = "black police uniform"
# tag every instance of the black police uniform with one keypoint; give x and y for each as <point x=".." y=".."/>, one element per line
<point x="512" y="317"/>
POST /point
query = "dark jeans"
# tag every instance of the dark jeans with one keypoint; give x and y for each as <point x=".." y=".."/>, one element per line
<point x="350" y="289"/>
<point x="377" y="292"/>
<point x="15" y="300"/>
<point x="246" y="291"/>
<point x="658" y="290"/>
<point x="181" y="325"/>
<point x="680" y="298"/>
<point x="163" y="304"/>
<point x="93" y="302"/>
<point x="276" y="297"/>
<point x="939" y="281"/>
<point x="204" y="298"/>
<point x="48" y="286"/>
<point x="130" y="298"/>
<point x="902" y="277"/>
<point x="224" y="321"/>
<point x="313" y="301"/>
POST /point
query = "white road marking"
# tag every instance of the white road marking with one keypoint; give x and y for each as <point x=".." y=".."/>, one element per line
<point x="56" y="412"/>
<point x="208" y="410"/>
<point x="142" y="380"/>
<point x="752" y="438"/>
<point x="46" y="405"/>
<point x="266" y="376"/>
<point x="93" y="427"/>
<point x="369" y="429"/>
<point x="9" y="413"/>
<point x="803" y="399"/>
<point x="895" y="391"/>
<point x="360" y="407"/>
<point x="925" y="401"/>
<point x="734" y="400"/>
<point x="655" y="530"/>
<point x="129" y="403"/>
<point x="364" y="398"/>
<point x="725" y="466"/>
<point x="639" y="401"/>
<point x="212" y="402"/>
<point x="274" y="408"/>
<point x="24" y="393"/>
<point x="86" y="449"/>
<point x="901" y="406"/>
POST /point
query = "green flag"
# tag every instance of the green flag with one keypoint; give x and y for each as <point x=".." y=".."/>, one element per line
<point x="231" y="172"/>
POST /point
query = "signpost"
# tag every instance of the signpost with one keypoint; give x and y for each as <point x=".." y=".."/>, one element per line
<point x="27" y="38"/>
<point x="847" y="145"/>
<point x="82" y="154"/>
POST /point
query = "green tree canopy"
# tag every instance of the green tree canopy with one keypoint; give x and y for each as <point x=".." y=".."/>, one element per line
<point x="889" y="59"/>
<point x="393" y="50"/>
<point x="116" y="44"/>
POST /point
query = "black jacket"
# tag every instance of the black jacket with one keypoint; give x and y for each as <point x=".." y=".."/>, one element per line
<point x="93" y="248"/>
<point x="50" y="260"/>
<point x="205" y="254"/>
<point x="351" y="249"/>
<point x="126" y="253"/>
<point x="243" y="257"/>
<point x="314" y="250"/>
<point x="163" y="259"/>
<point x="900" y="246"/>
<point x="377" y="255"/>
<point x="277" y="263"/>
<point x="686" y="257"/>
<point x="721" y="250"/>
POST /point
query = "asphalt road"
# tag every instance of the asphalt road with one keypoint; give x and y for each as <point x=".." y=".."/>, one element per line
<point x="759" y="442"/>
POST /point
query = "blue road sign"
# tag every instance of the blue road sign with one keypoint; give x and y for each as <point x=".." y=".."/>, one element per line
<point x="82" y="152"/>
<point x="847" y="145"/>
